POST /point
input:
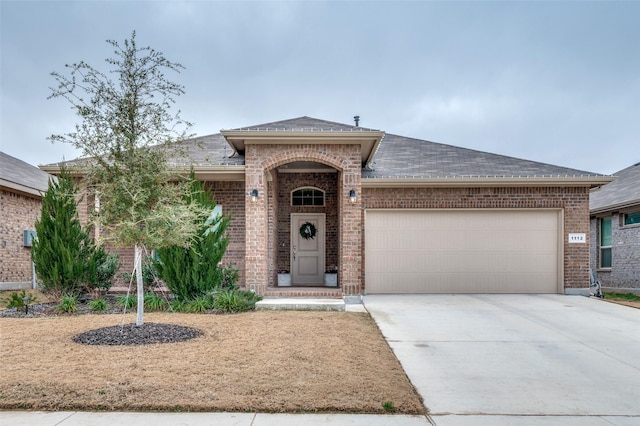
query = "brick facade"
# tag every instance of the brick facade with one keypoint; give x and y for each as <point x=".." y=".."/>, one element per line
<point x="260" y="231"/>
<point x="262" y="238"/>
<point x="19" y="212"/>
<point x="288" y="182"/>
<point x="574" y="201"/>
<point x="227" y="194"/>
<point x="625" y="254"/>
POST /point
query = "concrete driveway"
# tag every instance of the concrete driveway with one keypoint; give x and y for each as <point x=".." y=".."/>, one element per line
<point x="516" y="359"/>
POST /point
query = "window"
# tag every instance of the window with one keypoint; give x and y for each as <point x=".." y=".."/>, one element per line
<point x="307" y="197"/>
<point x="605" y="242"/>
<point x="632" y="218"/>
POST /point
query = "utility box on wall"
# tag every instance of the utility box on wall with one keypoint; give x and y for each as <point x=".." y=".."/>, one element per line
<point x="28" y="237"/>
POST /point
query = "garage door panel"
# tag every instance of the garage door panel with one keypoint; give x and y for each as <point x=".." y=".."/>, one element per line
<point x="461" y="251"/>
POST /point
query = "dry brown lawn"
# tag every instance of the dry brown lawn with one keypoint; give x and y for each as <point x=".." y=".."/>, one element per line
<point x="266" y="361"/>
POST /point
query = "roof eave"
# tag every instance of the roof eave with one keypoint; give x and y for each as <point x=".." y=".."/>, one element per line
<point x="14" y="186"/>
<point x="369" y="140"/>
<point x="573" y="181"/>
<point x="219" y="173"/>
<point x="616" y="207"/>
<point x="216" y="173"/>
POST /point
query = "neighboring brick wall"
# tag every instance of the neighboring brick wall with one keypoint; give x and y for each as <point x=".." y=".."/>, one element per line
<point x="574" y="202"/>
<point x="19" y="212"/>
<point x="625" y="254"/>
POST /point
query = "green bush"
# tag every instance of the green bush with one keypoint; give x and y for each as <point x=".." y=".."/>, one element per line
<point x="16" y="300"/>
<point x="66" y="259"/>
<point x="68" y="304"/>
<point x="193" y="272"/>
<point x="154" y="302"/>
<point x="148" y="275"/>
<point x="128" y="302"/>
<point x="229" y="278"/>
<point x="177" y="305"/>
<point x="104" y="277"/>
<point x="235" y="301"/>
<point x="199" y="305"/>
<point x="98" y="305"/>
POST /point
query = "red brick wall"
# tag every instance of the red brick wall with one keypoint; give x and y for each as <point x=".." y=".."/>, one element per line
<point x="229" y="196"/>
<point x="19" y="212"/>
<point x="261" y="159"/>
<point x="574" y="202"/>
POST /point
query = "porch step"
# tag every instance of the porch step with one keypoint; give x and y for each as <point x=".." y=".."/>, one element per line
<point x="300" y="304"/>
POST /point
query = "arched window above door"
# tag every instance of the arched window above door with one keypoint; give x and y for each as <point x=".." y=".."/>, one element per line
<point x="307" y="196"/>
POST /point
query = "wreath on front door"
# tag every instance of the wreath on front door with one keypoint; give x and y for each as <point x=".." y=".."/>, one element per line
<point x="308" y="231"/>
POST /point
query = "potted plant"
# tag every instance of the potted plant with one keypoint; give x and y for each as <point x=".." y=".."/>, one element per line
<point x="331" y="277"/>
<point x="284" y="278"/>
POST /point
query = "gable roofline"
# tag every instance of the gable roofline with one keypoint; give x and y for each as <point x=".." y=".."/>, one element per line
<point x="306" y="130"/>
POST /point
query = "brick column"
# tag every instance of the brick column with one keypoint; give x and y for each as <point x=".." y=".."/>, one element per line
<point x="350" y="217"/>
<point x="256" y="224"/>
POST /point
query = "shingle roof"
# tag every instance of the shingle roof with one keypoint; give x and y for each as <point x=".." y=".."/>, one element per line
<point x="305" y="123"/>
<point x="19" y="175"/>
<point x="622" y="192"/>
<point x="399" y="157"/>
<point x="211" y="150"/>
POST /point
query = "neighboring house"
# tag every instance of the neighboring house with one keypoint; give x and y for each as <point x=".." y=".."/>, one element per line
<point x="615" y="230"/>
<point x="392" y="214"/>
<point x="21" y="186"/>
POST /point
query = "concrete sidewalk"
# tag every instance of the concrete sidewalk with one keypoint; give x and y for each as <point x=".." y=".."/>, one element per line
<point x="71" y="418"/>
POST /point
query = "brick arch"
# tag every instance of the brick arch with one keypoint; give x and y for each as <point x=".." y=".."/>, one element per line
<point x="327" y="158"/>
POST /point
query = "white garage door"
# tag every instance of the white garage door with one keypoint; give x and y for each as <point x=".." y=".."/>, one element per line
<point x="462" y="251"/>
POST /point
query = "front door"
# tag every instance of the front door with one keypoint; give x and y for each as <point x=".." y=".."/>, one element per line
<point x="307" y="248"/>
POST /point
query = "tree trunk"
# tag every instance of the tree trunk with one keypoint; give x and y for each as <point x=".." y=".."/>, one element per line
<point x="139" y="285"/>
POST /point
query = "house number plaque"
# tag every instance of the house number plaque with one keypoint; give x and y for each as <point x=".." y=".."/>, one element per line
<point x="577" y="238"/>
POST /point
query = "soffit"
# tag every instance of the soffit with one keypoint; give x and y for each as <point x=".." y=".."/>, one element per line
<point x="369" y="140"/>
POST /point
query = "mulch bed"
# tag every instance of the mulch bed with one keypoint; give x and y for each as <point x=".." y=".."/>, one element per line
<point x="130" y="334"/>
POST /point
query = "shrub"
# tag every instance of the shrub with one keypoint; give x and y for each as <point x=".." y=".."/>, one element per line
<point x="193" y="272"/>
<point x="68" y="304"/>
<point x="66" y="259"/>
<point x="16" y="300"/>
<point x="235" y="301"/>
<point x="154" y="302"/>
<point x="199" y="304"/>
<point x="98" y="305"/>
<point x="177" y="305"/>
<point x="127" y="301"/>
<point x="229" y="278"/>
<point x="148" y="275"/>
<point x="106" y="272"/>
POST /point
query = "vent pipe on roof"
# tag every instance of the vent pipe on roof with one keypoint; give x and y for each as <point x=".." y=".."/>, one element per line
<point x="356" y="118"/>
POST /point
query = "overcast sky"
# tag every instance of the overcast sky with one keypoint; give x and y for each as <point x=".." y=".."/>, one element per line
<point x="556" y="82"/>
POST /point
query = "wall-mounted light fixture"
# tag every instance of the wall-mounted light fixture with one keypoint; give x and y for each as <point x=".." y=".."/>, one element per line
<point x="254" y="195"/>
<point x="352" y="196"/>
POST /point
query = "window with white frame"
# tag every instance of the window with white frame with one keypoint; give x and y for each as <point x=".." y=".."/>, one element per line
<point x="307" y="197"/>
<point x="605" y="242"/>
